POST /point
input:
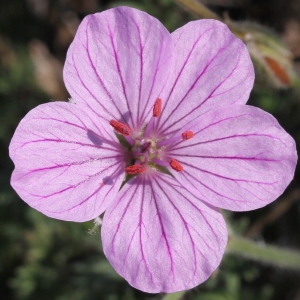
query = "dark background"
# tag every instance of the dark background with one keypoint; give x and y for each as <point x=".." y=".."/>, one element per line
<point x="42" y="258"/>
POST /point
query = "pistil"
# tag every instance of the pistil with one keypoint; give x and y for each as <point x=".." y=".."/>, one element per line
<point x="149" y="151"/>
<point x="176" y="139"/>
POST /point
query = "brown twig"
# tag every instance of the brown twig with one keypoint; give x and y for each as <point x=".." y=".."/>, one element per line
<point x="278" y="210"/>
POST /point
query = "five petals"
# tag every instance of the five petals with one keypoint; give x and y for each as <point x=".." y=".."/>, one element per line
<point x="161" y="233"/>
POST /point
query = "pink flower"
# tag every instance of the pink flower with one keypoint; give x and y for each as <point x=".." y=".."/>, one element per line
<point x="189" y="145"/>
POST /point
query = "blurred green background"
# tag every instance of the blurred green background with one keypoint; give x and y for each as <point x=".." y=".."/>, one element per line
<point x="42" y="258"/>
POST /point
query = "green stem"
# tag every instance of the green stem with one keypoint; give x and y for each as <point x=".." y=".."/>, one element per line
<point x="198" y="9"/>
<point x="267" y="254"/>
<point x="174" y="296"/>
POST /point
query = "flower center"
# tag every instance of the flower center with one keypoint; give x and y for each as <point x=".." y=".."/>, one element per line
<point x="144" y="150"/>
<point x="147" y="152"/>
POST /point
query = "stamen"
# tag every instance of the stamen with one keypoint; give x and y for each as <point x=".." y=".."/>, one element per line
<point x="157" y="108"/>
<point x="135" y="169"/>
<point x="187" y="135"/>
<point x="175" y="165"/>
<point x="120" y="127"/>
<point x="160" y="162"/>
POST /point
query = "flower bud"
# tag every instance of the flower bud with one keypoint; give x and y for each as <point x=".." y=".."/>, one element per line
<point x="272" y="60"/>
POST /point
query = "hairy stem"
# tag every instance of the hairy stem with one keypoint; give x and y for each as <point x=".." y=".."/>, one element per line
<point x="263" y="253"/>
<point x="174" y="296"/>
<point x="198" y="9"/>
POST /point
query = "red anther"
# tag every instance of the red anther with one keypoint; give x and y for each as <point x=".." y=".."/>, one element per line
<point x="175" y="165"/>
<point x="120" y="127"/>
<point x="187" y="135"/>
<point x="135" y="169"/>
<point x="157" y="108"/>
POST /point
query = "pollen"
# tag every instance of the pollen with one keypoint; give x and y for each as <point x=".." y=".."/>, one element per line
<point x="175" y="165"/>
<point x="157" y="108"/>
<point x="135" y="169"/>
<point x="120" y="127"/>
<point x="187" y="135"/>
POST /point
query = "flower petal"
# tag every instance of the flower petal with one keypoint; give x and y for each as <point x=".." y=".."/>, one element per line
<point x="212" y="68"/>
<point x="118" y="63"/>
<point x="239" y="159"/>
<point x="66" y="166"/>
<point x="161" y="238"/>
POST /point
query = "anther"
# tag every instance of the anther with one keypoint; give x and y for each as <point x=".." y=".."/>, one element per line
<point x="175" y="165"/>
<point x="135" y="169"/>
<point x="157" y="108"/>
<point x="120" y="127"/>
<point x="187" y="135"/>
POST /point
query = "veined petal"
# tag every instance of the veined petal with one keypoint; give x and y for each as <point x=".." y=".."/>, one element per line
<point x="212" y="68"/>
<point x="239" y="159"/>
<point x="160" y="237"/>
<point x="66" y="165"/>
<point x="118" y="63"/>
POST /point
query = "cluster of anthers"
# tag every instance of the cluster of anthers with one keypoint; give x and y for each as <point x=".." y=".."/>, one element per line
<point x="147" y="151"/>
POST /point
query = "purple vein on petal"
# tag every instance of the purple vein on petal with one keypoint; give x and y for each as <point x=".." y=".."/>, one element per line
<point x="228" y="178"/>
<point x="196" y="208"/>
<point x="216" y="123"/>
<point x="193" y="85"/>
<point x="99" y="78"/>
<point x="88" y="90"/>
<point x="61" y="114"/>
<point x="91" y="195"/>
<point x="139" y="228"/>
<point x="185" y="63"/>
<point x="140" y="232"/>
<point x="84" y="128"/>
<point x="142" y="119"/>
<point x="122" y="217"/>
<point x="67" y="142"/>
<point x="61" y="121"/>
<point x="185" y="226"/>
<point x="68" y="165"/>
<point x="238" y="202"/>
<point x="231" y="157"/>
<point x="182" y="142"/>
<point x="164" y="236"/>
<point x="233" y="87"/>
<point x="212" y="189"/>
<point x="227" y="138"/>
<point x="141" y="55"/>
<point x="211" y="95"/>
<point x="74" y="185"/>
<point x="111" y="37"/>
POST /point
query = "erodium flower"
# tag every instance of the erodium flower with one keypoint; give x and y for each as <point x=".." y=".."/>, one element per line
<point x="158" y="137"/>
